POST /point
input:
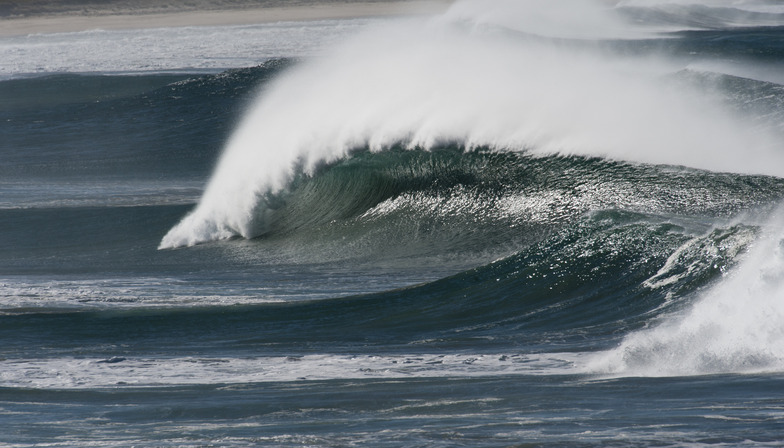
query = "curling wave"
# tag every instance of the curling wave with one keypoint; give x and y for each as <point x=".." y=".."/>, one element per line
<point x="470" y="80"/>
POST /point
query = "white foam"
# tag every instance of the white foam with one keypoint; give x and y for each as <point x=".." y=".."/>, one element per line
<point x="80" y="373"/>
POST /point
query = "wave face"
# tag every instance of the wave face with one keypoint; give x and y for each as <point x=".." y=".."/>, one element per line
<point x="446" y="200"/>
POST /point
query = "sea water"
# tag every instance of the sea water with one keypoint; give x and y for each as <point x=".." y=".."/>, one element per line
<point x="512" y="224"/>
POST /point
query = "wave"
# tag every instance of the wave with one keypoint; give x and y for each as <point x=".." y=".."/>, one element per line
<point x="458" y="80"/>
<point x="734" y="327"/>
<point x="579" y="289"/>
<point x="690" y="14"/>
<point x="623" y="194"/>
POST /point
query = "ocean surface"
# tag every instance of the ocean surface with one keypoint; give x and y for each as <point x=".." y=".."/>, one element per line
<point x="513" y="224"/>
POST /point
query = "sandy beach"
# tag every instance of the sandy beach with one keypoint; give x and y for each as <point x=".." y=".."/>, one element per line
<point x="57" y="18"/>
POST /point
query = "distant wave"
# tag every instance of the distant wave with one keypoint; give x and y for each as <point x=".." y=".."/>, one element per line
<point x="690" y="14"/>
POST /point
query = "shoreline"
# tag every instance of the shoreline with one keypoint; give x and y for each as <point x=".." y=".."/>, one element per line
<point x="71" y="22"/>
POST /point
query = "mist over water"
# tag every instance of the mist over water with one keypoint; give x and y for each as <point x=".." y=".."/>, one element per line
<point x="511" y="76"/>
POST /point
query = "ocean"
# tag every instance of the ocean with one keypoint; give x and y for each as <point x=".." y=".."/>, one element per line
<point x="514" y="224"/>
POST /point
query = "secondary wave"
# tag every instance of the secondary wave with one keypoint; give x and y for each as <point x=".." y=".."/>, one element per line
<point x="475" y="81"/>
<point x="735" y="327"/>
<point x="580" y="289"/>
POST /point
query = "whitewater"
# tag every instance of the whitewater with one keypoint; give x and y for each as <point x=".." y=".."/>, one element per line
<point x="539" y="223"/>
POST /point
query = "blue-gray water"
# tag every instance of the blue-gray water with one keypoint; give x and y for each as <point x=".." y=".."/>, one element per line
<point x="446" y="293"/>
